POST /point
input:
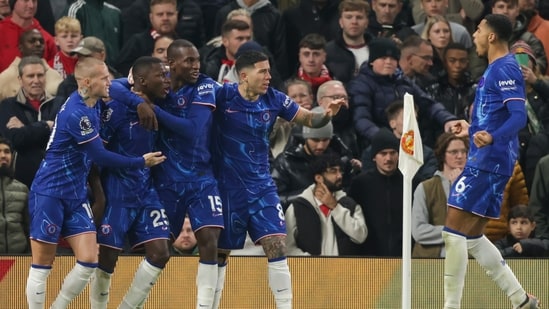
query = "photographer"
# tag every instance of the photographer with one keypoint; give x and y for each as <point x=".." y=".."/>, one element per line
<point x="291" y="169"/>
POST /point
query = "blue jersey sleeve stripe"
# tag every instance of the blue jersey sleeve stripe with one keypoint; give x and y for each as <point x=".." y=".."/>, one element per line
<point x="212" y="106"/>
<point x="88" y="140"/>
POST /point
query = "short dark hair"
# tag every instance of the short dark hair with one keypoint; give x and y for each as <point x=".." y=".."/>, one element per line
<point x="313" y="41"/>
<point x="454" y="46"/>
<point x="6" y="141"/>
<point x="394" y="108"/>
<point x="501" y="25"/>
<point x="249" y="59"/>
<point x="521" y="211"/>
<point x="442" y="143"/>
<point x="324" y="161"/>
<point x="233" y="24"/>
<point x="177" y="44"/>
<point x="28" y="61"/>
<point x="144" y="64"/>
<point x="354" y="5"/>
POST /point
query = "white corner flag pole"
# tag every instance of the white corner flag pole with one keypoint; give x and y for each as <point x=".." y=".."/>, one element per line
<point x="410" y="159"/>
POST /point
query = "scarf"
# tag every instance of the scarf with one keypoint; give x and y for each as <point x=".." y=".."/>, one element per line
<point x="254" y="7"/>
<point x="315" y="81"/>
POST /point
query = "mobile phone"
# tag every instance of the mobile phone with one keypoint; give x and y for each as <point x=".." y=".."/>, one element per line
<point x="522" y="59"/>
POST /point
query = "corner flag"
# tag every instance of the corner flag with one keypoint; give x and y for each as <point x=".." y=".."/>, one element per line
<point x="410" y="159"/>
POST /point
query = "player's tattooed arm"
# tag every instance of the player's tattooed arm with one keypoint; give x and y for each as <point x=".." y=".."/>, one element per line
<point x="312" y="119"/>
<point x="274" y="246"/>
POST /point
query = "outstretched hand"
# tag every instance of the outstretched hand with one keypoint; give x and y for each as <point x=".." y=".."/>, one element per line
<point x="333" y="107"/>
<point x="153" y="158"/>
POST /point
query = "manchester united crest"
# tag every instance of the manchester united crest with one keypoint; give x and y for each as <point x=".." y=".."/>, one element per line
<point x="407" y="142"/>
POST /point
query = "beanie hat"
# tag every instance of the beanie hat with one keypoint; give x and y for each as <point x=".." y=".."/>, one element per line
<point x="248" y="46"/>
<point x="327" y="131"/>
<point x="12" y="4"/>
<point x="383" y="47"/>
<point x="521" y="47"/>
<point x="384" y="139"/>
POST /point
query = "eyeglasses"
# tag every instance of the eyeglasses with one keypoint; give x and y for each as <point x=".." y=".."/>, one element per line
<point x="336" y="97"/>
<point x="455" y="152"/>
<point x="425" y="57"/>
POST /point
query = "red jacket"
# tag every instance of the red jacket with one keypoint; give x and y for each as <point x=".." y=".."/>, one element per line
<point x="540" y="29"/>
<point x="9" y="45"/>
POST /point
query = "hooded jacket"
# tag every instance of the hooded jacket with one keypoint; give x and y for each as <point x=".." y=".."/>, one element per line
<point x="14" y="216"/>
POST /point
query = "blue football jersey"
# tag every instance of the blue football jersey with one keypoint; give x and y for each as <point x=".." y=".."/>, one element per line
<point x="124" y="135"/>
<point x="241" y="135"/>
<point x="189" y="157"/>
<point x="502" y="82"/>
<point x="63" y="172"/>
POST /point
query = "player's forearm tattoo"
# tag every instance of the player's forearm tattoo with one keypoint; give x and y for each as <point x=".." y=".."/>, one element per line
<point x="274" y="246"/>
<point x="319" y="120"/>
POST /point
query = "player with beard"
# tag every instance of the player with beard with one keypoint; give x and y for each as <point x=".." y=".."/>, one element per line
<point x="14" y="215"/>
<point x="323" y="220"/>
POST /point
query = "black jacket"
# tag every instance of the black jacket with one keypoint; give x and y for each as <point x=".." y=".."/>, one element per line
<point x="305" y="19"/>
<point x="340" y="60"/>
<point x="381" y="199"/>
<point x="29" y="141"/>
<point x="190" y="24"/>
<point x="269" y="31"/>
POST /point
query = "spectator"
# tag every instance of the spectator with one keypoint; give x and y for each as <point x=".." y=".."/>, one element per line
<point x="537" y="92"/>
<point x="310" y="16"/>
<point x="385" y="20"/>
<point x="416" y="60"/>
<point x="137" y="18"/>
<point x="31" y="43"/>
<point x="14" y="214"/>
<point x="301" y="92"/>
<point x="395" y="116"/>
<point x="430" y="197"/>
<point x="185" y="243"/>
<point x="346" y="53"/>
<point x="454" y="88"/>
<point x="163" y="19"/>
<point x="437" y="31"/>
<point x="463" y="12"/>
<point x="67" y="36"/>
<point x="379" y="192"/>
<point x="378" y="84"/>
<point x="27" y="118"/>
<point x="536" y="24"/>
<point x="322" y="220"/>
<point x="312" y="58"/>
<point x="5" y="10"/>
<point x="21" y="20"/>
<point x="539" y="198"/>
<point x="432" y="8"/>
<point x="87" y="47"/>
<point x="515" y="193"/>
<point x="160" y="49"/>
<point x="521" y="241"/>
<point x="269" y="28"/>
<point x="291" y="170"/>
<point x="333" y="91"/>
<point x="100" y="19"/>
<point x="217" y="62"/>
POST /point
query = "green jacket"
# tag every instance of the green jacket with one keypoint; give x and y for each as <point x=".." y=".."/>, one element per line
<point x="14" y="216"/>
